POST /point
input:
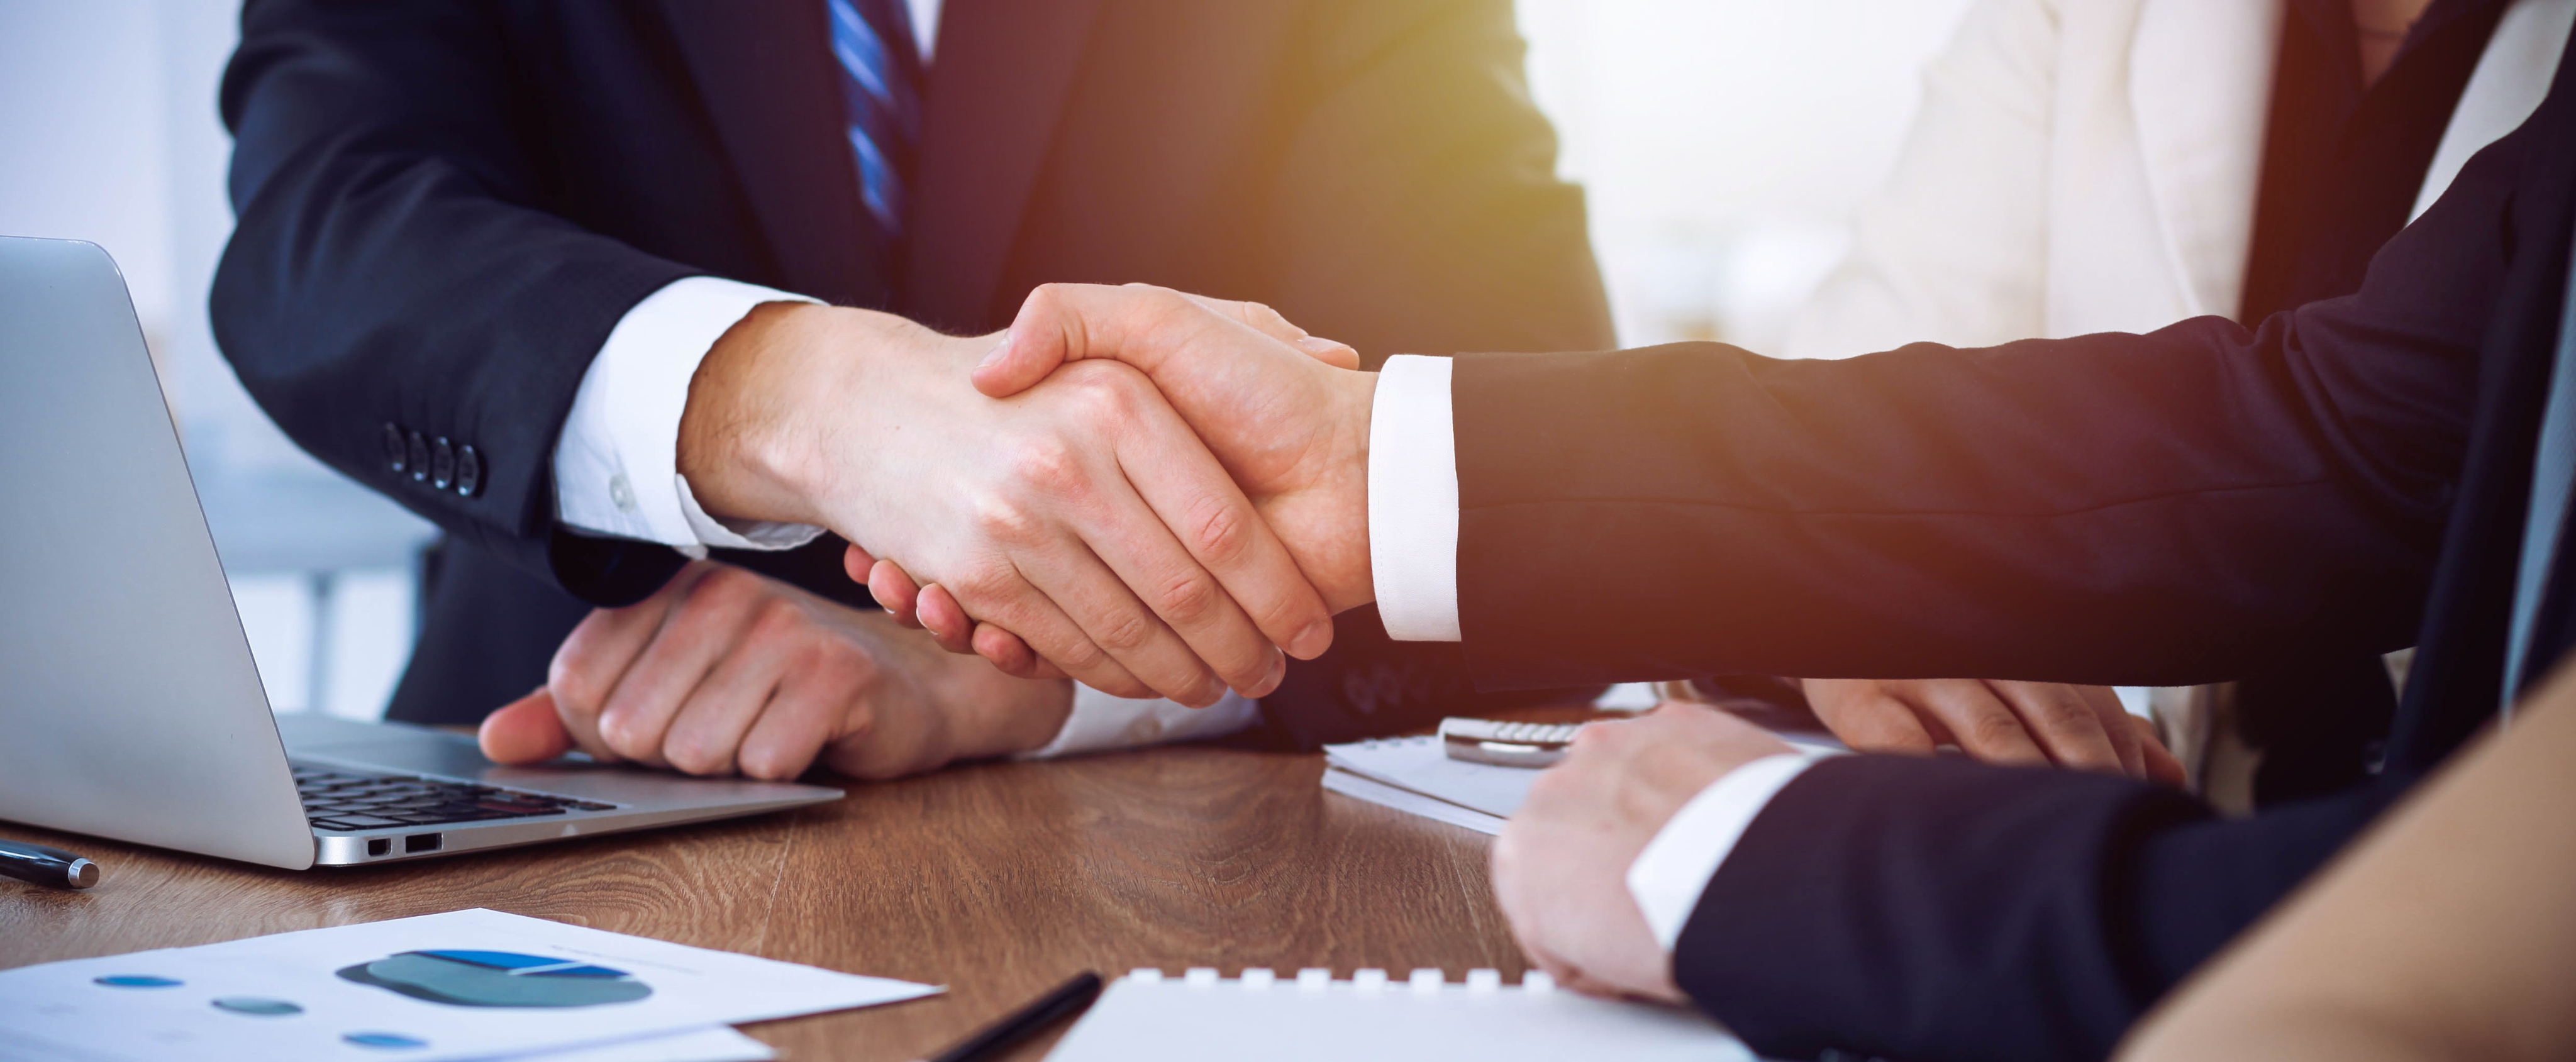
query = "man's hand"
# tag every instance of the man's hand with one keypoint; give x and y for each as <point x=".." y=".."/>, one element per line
<point x="1561" y="865"/>
<point x="1039" y="513"/>
<point x="726" y="672"/>
<point x="1285" y="417"/>
<point x="2030" y="723"/>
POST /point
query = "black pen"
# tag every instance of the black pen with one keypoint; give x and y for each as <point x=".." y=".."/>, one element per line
<point x="1068" y="998"/>
<point x="46" y="866"/>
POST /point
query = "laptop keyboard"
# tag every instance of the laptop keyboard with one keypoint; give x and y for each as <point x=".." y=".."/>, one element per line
<point x="344" y="802"/>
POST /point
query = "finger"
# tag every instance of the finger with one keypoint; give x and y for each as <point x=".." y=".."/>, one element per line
<point x="887" y="582"/>
<point x="1137" y="324"/>
<point x="1869" y="718"/>
<point x="2115" y="718"/>
<point x="1981" y="722"/>
<point x="1191" y="497"/>
<point x="945" y="619"/>
<point x="705" y="736"/>
<point x="596" y="655"/>
<point x="2065" y="725"/>
<point x="1024" y="608"/>
<point x="1194" y="601"/>
<point x="524" y="731"/>
<point x="1110" y="617"/>
<point x="718" y="612"/>
<point x="2162" y="765"/>
<point x="1005" y="651"/>
<point x="1268" y="322"/>
<point x="803" y="716"/>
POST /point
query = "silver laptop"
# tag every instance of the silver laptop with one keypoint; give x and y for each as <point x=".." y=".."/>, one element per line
<point x="129" y="705"/>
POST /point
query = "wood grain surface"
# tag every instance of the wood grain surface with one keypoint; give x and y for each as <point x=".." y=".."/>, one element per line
<point x="997" y="880"/>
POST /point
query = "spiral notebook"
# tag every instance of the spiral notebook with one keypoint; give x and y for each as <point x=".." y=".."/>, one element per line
<point x="1261" y="1017"/>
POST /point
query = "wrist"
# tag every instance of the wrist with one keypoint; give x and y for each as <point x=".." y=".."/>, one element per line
<point x="736" y="448"/>
<point x="773" y="392"/>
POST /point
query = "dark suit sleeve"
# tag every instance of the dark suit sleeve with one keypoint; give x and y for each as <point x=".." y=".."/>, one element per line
<point x="1416" y="203"/>
<point x="1936" y="908"/>
<point x="393" y="265"/>
<point x="2159" y="509"/>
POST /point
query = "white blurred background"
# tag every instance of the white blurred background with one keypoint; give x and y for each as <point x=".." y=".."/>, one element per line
<point x="1724" y="144"/>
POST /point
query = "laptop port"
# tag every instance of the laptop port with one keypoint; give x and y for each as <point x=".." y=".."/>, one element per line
<point x="377" y="846"/>
<point x="422" y="842"/>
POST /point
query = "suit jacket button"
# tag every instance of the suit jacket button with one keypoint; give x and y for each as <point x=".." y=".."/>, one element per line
<point x="397" y="452"/>
<point x="469" y="471"/>
<point x="442" y="464"/>
<point x="419" y="450"/>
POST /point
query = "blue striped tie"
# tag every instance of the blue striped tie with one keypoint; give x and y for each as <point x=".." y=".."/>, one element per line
<point x="880" y="94"/>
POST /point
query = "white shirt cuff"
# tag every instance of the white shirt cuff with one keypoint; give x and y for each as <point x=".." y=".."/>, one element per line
<point x="617" y="465"/>
<point x="1413" y="500"/>
<point x="1101" y="722"/>
<point x="1668" y="877"/>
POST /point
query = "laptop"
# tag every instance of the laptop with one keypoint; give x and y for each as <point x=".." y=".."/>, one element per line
<point x="129" y="704"/>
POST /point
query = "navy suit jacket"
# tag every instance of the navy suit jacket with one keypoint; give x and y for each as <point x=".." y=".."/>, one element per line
<point x="2160" y="509"/>
<point x="445" y="205"/>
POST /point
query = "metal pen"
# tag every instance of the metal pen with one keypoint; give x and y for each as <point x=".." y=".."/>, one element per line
<point x="46" y="866"/>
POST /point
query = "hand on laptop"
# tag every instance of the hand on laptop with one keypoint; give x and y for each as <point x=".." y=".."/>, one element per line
<point x="725" y="672"/>
<point x="2035" y="723"/>
<point x="1561" y="864"/>
<point x="1288" y="421"/>
<point x="1040" y="513"/>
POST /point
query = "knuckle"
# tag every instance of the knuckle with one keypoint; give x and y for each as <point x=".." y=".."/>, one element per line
<point x="1220" y="532"/>
<point x="984" y="583"/>
<point x="1047" y="463"/>
<point x="1006" y="521"/>
<point x="1125" y="632"/>
<point x="777" y="618"/>
<point x="693" y="753"/>
<point x="1084" y="655"/>
<point x="1188" y="598"/>
<point x="573" y="688"/>
<point x="1996" y="728"/>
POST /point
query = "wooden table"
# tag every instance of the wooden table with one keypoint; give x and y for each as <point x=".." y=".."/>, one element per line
<point x="997" y="880"/>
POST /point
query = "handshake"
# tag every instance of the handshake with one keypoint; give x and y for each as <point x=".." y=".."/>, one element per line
<point x="1155" y="494"/>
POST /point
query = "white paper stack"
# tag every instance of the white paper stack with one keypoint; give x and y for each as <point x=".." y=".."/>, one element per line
<point x="472" y="984"/>
<point x="1413" y="775"/>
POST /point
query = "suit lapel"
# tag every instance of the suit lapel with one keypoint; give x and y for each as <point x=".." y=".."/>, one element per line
<point x="764" y="72"/>
<point x="2194" y="65"/>
<point x="996" y="92"/>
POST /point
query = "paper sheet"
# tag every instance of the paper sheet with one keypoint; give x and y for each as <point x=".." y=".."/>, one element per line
<point x="472" y="984"/>
<point x="1406" y="800"/>
<point x="1413" y="774"/>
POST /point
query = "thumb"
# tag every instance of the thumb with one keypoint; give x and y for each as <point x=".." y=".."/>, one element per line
<point x="1069" y="322"/>
<point x="525" y="731"/>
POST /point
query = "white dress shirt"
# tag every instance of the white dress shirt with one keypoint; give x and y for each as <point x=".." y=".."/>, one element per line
<point x="617" y="472"/>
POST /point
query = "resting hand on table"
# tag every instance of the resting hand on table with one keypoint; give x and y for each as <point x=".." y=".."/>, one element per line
<point x="2025" y="723"/>
<point x="1039" y="512"/>
<point x="725" y="672"/>
<point x="1561" y="864"/>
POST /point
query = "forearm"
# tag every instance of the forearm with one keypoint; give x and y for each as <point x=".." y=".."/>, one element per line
<point x="2074" y="512"/>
